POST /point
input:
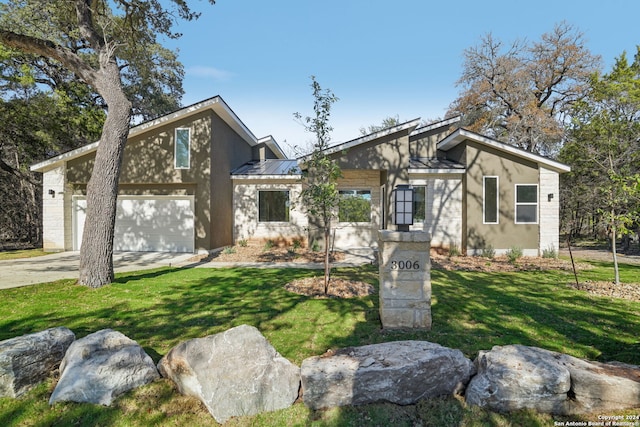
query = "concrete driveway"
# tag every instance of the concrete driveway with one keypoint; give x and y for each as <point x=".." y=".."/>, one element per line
<point x="64" y="265"/>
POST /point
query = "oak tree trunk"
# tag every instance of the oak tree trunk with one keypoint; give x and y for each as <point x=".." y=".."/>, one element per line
<point x="96" y="253"/>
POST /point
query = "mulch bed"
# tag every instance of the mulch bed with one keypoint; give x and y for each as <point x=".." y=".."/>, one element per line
<point x="338" y="288"/>
<point x="629" y="291"/>
<point x="341" y="288"/>
<point x="500" y="264"/>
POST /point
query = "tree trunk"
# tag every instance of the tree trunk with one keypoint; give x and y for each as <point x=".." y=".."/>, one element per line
<point x="96" y="253"/>
<point x="615" y="253"/>
<point x="327" y="260"/>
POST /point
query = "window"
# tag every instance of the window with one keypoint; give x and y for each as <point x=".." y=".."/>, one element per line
<point x="490" y="200"/>
<point x="419" y="203"/>
<point x="526" y="204"/>
<point x="273" y="206"/>
<point x="182" y="148"/>
<point x="354" y="206"/>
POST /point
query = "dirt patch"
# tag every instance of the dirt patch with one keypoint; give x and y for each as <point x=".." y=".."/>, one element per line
<point x="338" y="288"/>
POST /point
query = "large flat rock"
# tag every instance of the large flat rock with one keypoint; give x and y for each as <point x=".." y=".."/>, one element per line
<point x="400" y="372"/>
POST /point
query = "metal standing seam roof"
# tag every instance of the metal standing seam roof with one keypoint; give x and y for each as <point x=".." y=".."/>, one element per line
<point x="434" y="163"/>
<point x="269" y="167"/>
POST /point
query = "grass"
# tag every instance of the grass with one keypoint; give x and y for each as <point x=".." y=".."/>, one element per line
<point x="19" y="254"/>
<point x="161" y="308"/>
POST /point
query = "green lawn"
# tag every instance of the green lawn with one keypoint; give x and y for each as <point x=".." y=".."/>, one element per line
<point x="160" y="308"/>
<point x="25" y="253"/>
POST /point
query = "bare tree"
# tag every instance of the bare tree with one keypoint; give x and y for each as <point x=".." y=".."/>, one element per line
<point x="522" y="94"/>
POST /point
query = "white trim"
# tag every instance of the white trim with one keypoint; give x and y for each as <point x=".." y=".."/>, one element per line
<point x="516" y="204"/>
<point x="461" y="134"/>
<point x="49" y="163"/>
<point x="267" y="177"/>
<point x="175" y="148"/>
<point x="484" y="197"/>
<point x="270" y="142"/>
<point x="436" y="125"/>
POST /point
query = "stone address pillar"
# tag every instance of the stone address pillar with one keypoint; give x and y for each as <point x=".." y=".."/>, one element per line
<point x="405" y="279"/>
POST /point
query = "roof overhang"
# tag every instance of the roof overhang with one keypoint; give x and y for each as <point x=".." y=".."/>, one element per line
<point x="270" y="142"/>
<point x="216" y="104"/>
<point x="460" y="135"/>
<point x="435" y="125"/>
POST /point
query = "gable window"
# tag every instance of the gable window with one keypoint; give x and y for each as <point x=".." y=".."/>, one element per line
<point x="490" y="200"/>
<point x="419" y="203"/>
<point x="273" y="206"/>
<point x="182" y="152"/>
<point x="526" y="203"/>
<point x="354" y="206"/>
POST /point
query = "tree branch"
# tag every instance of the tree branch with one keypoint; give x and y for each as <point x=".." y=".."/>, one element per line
<point x="49" y="49"/>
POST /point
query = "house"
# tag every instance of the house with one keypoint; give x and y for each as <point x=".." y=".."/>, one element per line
<point x="470" y="191"/>
<point x="198" y="179"/>
<point x="175" y="189"/>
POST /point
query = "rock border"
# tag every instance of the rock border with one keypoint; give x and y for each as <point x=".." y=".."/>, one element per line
<point x="503" y="379"/>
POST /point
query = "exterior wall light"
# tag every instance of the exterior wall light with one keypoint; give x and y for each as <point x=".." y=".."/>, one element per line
<point x="403" y="207"/>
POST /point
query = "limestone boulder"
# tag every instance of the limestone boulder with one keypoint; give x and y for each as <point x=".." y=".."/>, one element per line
<point x="27" y="360"/>
<point x="234" y="373"/>
<point x="400" y="372"/>
<point x="519" y="377"/>
<point x="100" y="367"/>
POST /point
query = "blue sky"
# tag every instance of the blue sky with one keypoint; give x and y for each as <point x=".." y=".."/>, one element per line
<point x="381" y="58"/>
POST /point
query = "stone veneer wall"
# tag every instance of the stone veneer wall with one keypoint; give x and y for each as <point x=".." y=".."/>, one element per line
<point x="549" y="210"/>
<point x="53" y="238"/>
<point x="405" y="279"/>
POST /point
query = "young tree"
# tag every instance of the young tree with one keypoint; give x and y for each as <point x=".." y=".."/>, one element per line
<point x="604" y="148"/>
<point x="320" y="195"/>
<point x="522" y="94"/>
<point x="103" y="43"/>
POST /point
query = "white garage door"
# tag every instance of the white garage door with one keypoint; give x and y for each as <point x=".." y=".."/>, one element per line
<point x="146" y="224"/>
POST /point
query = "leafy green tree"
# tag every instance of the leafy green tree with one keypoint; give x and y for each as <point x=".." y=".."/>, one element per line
<point x="522" y="94"/>
<point x="604" y="148"/>
<point x="320" y="195"/>
<point x="112" y="47"/>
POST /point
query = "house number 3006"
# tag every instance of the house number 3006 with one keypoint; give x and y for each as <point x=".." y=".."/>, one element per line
<point x="405" y="265"/>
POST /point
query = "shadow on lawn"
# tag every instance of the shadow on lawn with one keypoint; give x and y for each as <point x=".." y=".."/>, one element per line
<point x="484" y="309"/>
<point x="471" y="312"/>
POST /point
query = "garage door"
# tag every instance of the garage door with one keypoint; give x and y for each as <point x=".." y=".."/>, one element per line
<point x="146" y="224"/>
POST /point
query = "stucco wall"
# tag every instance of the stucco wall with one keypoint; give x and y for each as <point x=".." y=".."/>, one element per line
<point x="148" y="169"/>
<point x="511" y="170"/>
